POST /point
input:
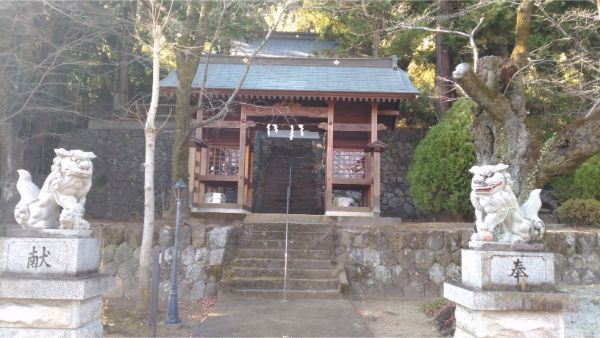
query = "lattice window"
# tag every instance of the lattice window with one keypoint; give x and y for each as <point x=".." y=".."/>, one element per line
<point x="348" y="164"/>
<point x="223" y="161"/>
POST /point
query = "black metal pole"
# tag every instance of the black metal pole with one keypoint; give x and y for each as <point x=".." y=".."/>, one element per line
<point x="173" y="309"/>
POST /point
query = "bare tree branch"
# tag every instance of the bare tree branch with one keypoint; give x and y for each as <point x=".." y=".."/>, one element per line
<point x="233" y="95"/>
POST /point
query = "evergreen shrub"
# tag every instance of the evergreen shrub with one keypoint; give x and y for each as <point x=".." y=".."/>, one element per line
<point x="584" y="183"/>
<point x="580" y="212"/>
<point x="587" y="177"/>
<point x="439" y="179"/>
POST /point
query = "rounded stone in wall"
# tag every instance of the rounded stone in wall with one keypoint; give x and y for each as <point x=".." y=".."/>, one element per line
<point x="185" y="236"/>
<point x="576" y="261"/>
<point x="571" y="276"/>
<point x="383" y="274"/>
<point x="588" y="277"/>
<point x="197" y="291"/>
<point x="166" y="237"/>
<point x="424" y="259"/>
<point x="453" y="272"/>
<point x="108" y="253"/>
<point x="122" y="253"/>
<point x="435" y="240"/>
<point x="109" y="268"/>
<point x="593" y="262"/>
<point x="212" y="289"/>
<point x="188" y="255"/>
<point x="586" y="243"/>
<point x="437" y="273"/>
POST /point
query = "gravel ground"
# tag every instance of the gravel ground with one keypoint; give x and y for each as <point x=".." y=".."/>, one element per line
<point x="396" y="317"/>
<point x="583" y="321"/>
<point x="389" y="317"/>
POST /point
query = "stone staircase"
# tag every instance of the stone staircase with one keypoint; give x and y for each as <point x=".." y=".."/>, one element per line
<point x="306" y="197"/>
<point x="258" y="266"/>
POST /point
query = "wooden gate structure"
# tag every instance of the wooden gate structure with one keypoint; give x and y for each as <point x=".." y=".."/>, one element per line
<point x="347" y="99"/>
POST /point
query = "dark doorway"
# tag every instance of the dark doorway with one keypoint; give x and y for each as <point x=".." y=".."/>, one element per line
<point x="273" y="158"/>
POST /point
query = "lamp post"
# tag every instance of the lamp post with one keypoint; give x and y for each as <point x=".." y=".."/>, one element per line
<point x="173" y="309"/>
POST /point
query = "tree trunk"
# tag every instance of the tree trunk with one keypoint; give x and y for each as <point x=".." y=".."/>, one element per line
<point x="11" y="152"/>
<point x="149" y="205"/>
<point x="186" y="70"/>
<point x="121" y="97"/>
<point x="502" y="131"/>
<point x="500" y="134"/>
<point x="520" y="52"/>
<point x="187" y="59"/>
<point x="376" y="41"/>
<point x="442" y="60"/>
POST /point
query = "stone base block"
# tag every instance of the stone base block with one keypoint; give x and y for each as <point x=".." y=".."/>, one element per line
<point x="49" y="256"/>
<point x="476" y="299"/>
<point x="474" y="323"/>
<point x="92" y="330"/>
<point x="49" y="314"/>
<point x="498" y="270"/>
<point x="55" y="288"/>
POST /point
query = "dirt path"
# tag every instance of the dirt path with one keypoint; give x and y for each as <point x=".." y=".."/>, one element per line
<point x="380" y="318"/>
<point x="396" y="317"/>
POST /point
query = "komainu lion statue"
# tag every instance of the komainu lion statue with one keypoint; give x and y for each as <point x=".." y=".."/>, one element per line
<point x="495" y="203"/>
<point x="66" y="187"/>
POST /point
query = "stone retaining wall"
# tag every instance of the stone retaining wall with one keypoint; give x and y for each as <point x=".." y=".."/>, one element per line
<point x="406" y="260"/>
<point x="118" y="182"/>
<point x="416" y="262"/>
<point x="204" y="250"/>
<point x="396" y="200"/>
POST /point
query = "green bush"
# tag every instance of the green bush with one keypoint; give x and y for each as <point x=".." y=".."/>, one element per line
<point x="587" y="178"/>
<point x="580" y="212"/>
<point x="582" y="184"/>
<point x="438" y="175"/>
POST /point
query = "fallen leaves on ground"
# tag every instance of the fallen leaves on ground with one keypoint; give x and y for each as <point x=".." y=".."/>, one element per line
<point x="205" y="305"/>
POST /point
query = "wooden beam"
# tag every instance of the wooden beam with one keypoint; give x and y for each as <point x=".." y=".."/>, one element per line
<point x="329" y="160"/>
<point x="388" y="112"/>
<point x="217" y="178"/>
<point x="375" y="165"/>
<point x="355" y="182"/>
<point x="241" y="188"/>
<point x="293" y="109"/>
<point x="364" y="127"/>
<point x="223" y="125"/>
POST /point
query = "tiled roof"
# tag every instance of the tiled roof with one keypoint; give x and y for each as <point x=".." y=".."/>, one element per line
<point x="284" y="47"/>
<point x="304" y="75"/>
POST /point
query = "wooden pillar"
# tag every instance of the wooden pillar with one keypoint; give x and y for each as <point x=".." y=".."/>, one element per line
<point x="241" y="187"/>
<point x="197" y="162"/>
<point x="329" y="162"/>
<point x="192" y="172"/>
<point x="375" y="165"/>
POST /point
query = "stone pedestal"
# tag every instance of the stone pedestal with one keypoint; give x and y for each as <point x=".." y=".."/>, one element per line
<point x="50" y="286"/>
<point x="492" y="302"/>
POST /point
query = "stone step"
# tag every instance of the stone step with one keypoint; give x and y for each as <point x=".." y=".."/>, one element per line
<point x="290" y="294"/>
<point x="292" y="235"/>
<point x="292" y="254"/>
<point x="277" y="283"/>
<point x="244" y="272"/>
<point x="292" y="244"/>
<point x="279" y="262"/>
<point x="292" y="227"/>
